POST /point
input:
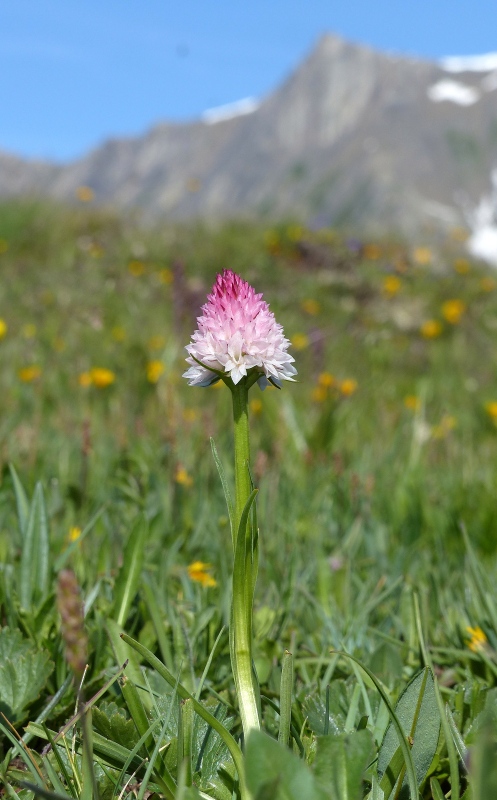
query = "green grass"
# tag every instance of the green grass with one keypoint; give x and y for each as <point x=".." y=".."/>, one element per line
<point x="377" y="513"/>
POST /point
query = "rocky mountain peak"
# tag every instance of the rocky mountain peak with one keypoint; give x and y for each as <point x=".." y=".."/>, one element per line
<point x="352" y="137"/>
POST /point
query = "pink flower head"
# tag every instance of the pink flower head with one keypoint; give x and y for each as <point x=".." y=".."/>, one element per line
<point x="237" y="334"/>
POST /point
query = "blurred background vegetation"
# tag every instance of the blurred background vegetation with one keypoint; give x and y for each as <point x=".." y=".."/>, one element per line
<point x="371" y="468"/>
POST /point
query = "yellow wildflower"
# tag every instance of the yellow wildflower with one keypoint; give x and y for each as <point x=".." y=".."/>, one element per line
<point x="487" y="284"/>
<point x="101" y="377"/>
<point x="300" y="341"/>
<point x="294" y="233"/>
<point x="491" y="409"/>
<point x="431" y="329"/>
<point x="272" y="241"/>
<point x="84" y="379"/>
<point x="74" y="533"/>
<point x="477" y="640"/>
<point x="96" y="250"/>
<point x="183" y="478"/>
<point x="58" y="344"/>
<point x="372" y="251"/>
<point x="400" y="263"/>
<point x="256" y="406"/>
<point x="348" y="386"/>
<point x="452" y="311"/>
<point x="392" y="285"/>
<point x="29" y="374"/>
<point x="326" y="380"/>
<point x="422" y="256"/>
<point x="156" y="342"/>
<point x="462" y="266"/>
<point x="166" y="276"/>
<point x="118" y="333"/>
<point x="459" y="234"/>
<point x="198" y="571"/>
<point x="47" y="297"/>
<point x="154" y="371"/>
<point x="412" y="402"/>
<point x="3" y="328"/>
<point x="444" y="427"/>
<point x="136" y="268"/>
<point x="319" y="394"/>
<point x="190" y="414"/>
<point x="85" y="194"/>
<point x="4" y="245"/>
<point x="29" y="330"/>
<point x="311" y="307"/>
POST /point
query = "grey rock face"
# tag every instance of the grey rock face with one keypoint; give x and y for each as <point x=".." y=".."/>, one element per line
<point x="352" y="137"/>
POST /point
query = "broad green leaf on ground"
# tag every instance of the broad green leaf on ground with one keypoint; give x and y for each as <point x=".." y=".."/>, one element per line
<point x="24" y="672"/>
<point x="273" y="772"/>
<point x="12" y="644"/>
<point x="332" y="720"/>
<point x="210" y="756"/>
<point x="340" y="763"/>
<point x="386" y="663"/>
<point x="112" y="722"/>
<point x="489" y="711"/>
<point x="483" y="754"/>
<point x="418" y="714"/>
<point x="210" y="753"/>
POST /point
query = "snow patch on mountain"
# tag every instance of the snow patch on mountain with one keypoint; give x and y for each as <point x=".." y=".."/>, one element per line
<point x="453" y="92"/>
<point x="237" y="109"/>
<point x="482" y="63"/>
<point x="483" y="222"/>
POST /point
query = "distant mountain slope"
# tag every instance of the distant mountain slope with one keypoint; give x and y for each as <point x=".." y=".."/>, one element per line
<point x="353" y="136"/>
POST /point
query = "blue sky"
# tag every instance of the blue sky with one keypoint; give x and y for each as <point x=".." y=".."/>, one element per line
<point x="74" y="72"/>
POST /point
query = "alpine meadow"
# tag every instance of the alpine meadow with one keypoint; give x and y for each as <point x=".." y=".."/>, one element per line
<point x="262" y="567"/>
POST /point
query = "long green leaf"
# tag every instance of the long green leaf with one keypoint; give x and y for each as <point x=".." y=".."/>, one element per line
<point x="38" y="792"/>
<point x="24" y="753"/>
<point x="122" y="654"/>
<point x="458" y="740"/>
<point x="406" y="752"/>
<point x="112" y="753"/>
<point x="241" y="624"/>
<point x="22" y="501"/>
<point x="286" y="688"/>
<point x="419" y="717"/>
<point x="129" y="576"/>
<point x="199" y="709"/>
<point x="449" y="743"/>
<point x="35" y="557"/>
<point x="155" y="615"/>
<point x="42" y="543"/>
<point x="226" y="489"/>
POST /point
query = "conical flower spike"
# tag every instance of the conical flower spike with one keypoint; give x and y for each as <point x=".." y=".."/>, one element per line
<point x="238" y="336"/>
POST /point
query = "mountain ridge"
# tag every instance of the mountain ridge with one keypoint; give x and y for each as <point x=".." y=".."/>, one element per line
<point x="351" y="137"/>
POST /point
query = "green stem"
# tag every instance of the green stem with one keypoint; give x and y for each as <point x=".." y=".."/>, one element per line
<point x="241" y="618"/>
<point x="242" y="448"/>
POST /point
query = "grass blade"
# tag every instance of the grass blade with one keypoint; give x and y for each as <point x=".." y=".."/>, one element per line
<point x="129" y="576"/>
<point x="403" y="743"/>
<point x="226" y="489"/>
<point x="35" y="557"/>
<point x="22" y="501"/>
<point x="185" y="695"/>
